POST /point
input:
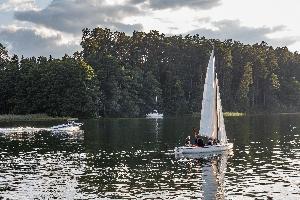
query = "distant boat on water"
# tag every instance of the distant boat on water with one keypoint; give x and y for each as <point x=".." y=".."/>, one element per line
<point x="70" y="126"/>
<point x="154" y="114"/>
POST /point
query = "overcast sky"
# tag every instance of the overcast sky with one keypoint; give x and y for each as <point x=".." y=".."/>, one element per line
<point x="44" y="27"/>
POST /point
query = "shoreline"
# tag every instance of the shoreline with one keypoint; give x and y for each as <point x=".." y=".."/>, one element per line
<point x="30" y="117"/>
<point x="44" y="117"/>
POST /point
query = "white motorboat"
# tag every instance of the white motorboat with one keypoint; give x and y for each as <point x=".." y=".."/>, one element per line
<point x="211" y="122"/>
<point x="71" y="126"/>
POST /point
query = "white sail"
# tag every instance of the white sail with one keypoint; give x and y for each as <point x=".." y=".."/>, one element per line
<point x="221" y="131"/>
<point x="208" y="124"/>
<point x="211" y="121"/>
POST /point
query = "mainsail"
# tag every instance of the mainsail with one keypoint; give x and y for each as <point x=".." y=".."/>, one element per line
<point x="212" y="121"/>
<point x="208" y="126"/>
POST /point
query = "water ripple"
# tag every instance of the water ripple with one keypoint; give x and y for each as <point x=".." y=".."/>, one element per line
<point x="99" y="166"/>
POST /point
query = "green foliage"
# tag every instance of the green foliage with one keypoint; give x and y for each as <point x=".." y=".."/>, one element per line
<point x="58" y="87"/>
<point x="116" y="75"/>
<point x="234" y="114"/>
<point x="244" y="88"/>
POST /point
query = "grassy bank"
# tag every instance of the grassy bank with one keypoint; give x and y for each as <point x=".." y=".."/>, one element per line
<point x="30" y="117"/>
<point x="233" y="114"/>
<point x="226" y="114"/>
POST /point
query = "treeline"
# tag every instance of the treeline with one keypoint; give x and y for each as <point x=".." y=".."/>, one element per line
<point x="117" y="75"/>
<point x="58" y="87"/>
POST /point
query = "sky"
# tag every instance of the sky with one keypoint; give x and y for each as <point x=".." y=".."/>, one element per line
<point x="53" y="27"/>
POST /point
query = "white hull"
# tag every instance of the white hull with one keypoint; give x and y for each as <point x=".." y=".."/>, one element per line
<point x="63" y="129"/>
<point x="70" y="127"/>
<point x="155" y="115"/>
<point x="205" y="149"/>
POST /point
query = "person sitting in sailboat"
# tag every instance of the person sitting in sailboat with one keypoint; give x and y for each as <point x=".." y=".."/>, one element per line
<point x="215" y="141"/>
<point x="195" y="132"/>
<point x="196" y="138"/>
<point x="199" y="141"/>
<point x="210" y="141"/>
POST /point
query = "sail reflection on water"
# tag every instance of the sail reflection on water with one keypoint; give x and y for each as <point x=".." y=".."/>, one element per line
<point x="213" y="177"/>
<point x="213" y="173"/>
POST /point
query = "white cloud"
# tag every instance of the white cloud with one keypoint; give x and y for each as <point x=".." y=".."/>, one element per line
<point x="37" y="42"/>
<point x="174" y="4"/>
<point x="18" y="5"/>
<point x="232" y="29"/>
<point x="58" y="23"/>
<point x="74" y="15"/>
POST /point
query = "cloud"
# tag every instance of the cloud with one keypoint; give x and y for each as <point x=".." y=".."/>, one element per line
<point x="17" y="5"/>
<point x="31" y="42"/>
<point x="69" y="17"/>
<point x="173" y="4"/>
<point x="73" y="15"/>
<point x="232" y="29"/>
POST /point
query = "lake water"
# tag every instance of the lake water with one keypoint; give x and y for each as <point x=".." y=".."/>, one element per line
<point x="133" y="159"/>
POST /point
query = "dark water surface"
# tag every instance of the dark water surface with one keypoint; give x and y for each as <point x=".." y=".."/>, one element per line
<point x="133" y="159"/>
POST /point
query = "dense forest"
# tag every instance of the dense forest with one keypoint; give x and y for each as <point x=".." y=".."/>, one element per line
<point x="119" y="75"/>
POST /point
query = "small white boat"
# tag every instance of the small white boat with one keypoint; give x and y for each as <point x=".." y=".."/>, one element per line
<point x="211" y="121"/>
<point x="155" y="115"/>
<point x="70" y="127"/>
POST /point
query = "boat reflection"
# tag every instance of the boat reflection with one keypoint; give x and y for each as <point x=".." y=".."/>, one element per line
<point x="213" y="172"/>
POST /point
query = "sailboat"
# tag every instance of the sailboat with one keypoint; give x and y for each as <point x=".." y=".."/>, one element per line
<point x="155" y="114"/>
<point x="212" y="120"/>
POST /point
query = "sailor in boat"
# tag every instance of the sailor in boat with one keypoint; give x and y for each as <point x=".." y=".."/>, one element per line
<point x="199" y="141"/>
<point x="215" y="142"/>
<point x="195" y="133"/>
<point x="210" y="141"/>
